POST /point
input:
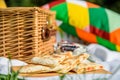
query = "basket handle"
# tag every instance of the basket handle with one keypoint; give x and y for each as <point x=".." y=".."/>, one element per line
<point x="45" y="33"/>
<point x="47" y="30"/>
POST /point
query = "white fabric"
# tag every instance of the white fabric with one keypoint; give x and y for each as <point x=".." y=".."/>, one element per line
<point x="75" y="77"/>
<point x="110" y="59"/>
<point x="5" y="64"/>
<point x="103" y="53"/>
<point x="100" y="54"/>
<point x="78" y="2"/>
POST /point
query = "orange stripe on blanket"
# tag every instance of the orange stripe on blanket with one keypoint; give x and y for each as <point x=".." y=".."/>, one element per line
<point x="82" y="34"/>
<point x="115" y="36"/>
<point x="91" y="5"/>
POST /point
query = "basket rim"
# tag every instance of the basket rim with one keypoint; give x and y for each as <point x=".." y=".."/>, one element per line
<point x="38" y="9"/>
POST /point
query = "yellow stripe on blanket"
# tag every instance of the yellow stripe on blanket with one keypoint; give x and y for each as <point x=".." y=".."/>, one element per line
<point x="78" y="16"/>
<point x="118" y="48"/>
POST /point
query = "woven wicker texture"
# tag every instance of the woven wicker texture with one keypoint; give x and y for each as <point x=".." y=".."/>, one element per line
<point x="26" y="31"/>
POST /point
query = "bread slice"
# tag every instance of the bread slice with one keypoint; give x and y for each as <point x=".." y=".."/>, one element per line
<point x="50" y="60"/>
<point x="83" y="57"/>
<point x="67" y="65"/>
<point x="34" y="69"/>
<point x="86" y="67"/>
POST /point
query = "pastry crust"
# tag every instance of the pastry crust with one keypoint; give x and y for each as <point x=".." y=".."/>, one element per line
<point x="34" y="69"/>
<point x="83" y="57"/>
<point x="85" y="67"/>
<point x="49" y="60"/>
<point x="68" y="65"/>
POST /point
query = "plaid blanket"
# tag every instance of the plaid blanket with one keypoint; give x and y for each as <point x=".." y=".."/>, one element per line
<point x="88" y="21"/>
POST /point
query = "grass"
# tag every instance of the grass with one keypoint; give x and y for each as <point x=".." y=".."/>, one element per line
<point x="12" y="75"/>
<point x="62" y="77"/>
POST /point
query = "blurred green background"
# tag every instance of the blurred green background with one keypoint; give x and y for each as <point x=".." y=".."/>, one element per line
<point x="110" y="4"/>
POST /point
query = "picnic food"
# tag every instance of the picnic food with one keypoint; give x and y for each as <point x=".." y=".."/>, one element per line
<point x="70" y="46"/>
<point x="34" y="69"/>
<point x="61" y="63"/>
<point x="85" y="67"/>
<point x="83" y="57"/>
<point x="51" y="60"/>
<point x="69" y="64"/>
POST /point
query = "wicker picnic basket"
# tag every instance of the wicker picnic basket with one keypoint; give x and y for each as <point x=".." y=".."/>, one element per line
<point x="26" y="31"/>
